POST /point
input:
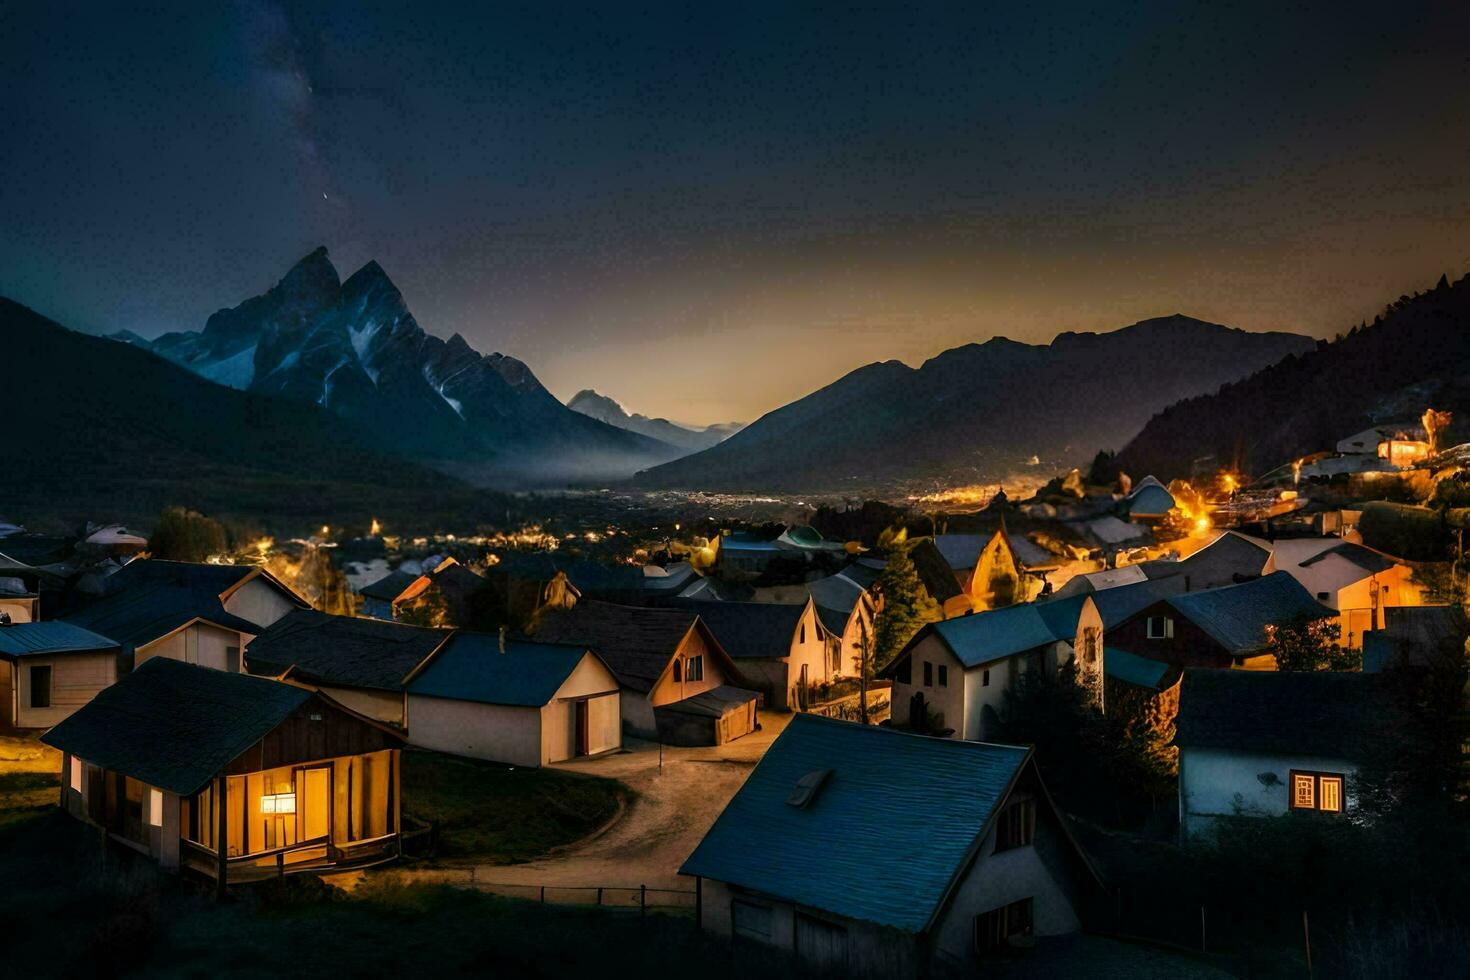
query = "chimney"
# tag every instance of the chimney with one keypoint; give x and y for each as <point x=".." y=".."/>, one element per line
<point x="502" y="639"/>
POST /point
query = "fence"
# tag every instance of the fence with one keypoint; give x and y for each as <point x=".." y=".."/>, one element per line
<point x="639" y="899"/>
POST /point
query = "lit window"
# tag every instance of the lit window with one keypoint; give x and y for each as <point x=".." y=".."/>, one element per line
<point x="76" y="774"/>
<point x="1320" y="791"/>
<point x="278" y="803"/>
<point x="155" y="808"/>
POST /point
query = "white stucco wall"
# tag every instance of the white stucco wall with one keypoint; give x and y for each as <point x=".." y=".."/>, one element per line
<point x="259" y="602"/>
<point x="75" y="680"/>
<point x="950" y="699"/>
<point x="1219" y="783"/>
<point x="503" y="733"/>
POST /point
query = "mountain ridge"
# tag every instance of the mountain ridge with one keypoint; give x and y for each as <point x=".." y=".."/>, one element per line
<point x="592" y="403"/>
<point x="353" y="347"/>
<point x="973" y="412"/>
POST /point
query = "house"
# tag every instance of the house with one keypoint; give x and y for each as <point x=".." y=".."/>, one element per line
<point x="1361" y="584"/>
<point x="953" y="676"/>
<point x="195" y="613"/>
<point x="1416" y="638"/>
<point x="19" y="603"/>
<point x="514" y="701"/>
<point x="448" y="584"/>
<point x="529" y="583"/>
<point x="1149" y="502"/>
<point x="1398" y="445"/>
<point x="1229" y="559"/>
<point x="359" y="662"/>
<point x="50" y="669"/>
<point x="230" y="776"/>
<point x="846" y="610"/>
<point x="781" y="650"/>
<point x="1271" y="744"/>
<point x="677" y="683"/>
<point x="947" y="853"/>
<point x="1224" y="627"/>
<point x="939" y="579"/>
<point x="998" y="570"/>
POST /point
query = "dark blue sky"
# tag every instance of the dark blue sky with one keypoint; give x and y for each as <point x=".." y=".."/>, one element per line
<point x="706" y="214"/>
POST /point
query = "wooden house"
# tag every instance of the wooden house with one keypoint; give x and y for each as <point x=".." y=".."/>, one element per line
<point x="781" y="650"/>
<point x="514" y="701"/>
<point x="449" y="586"/>
<point x="230" y="776"/>
<point x="953" y="676"/>
<point x="1222" y="628"/>
<point x="191" y="612"/>
<point x="677" y="683"/>
<point x="1255" y="744"/>
<point x="50" y="669"/>
<point x="947" y="854"/>
<point x="999" y="570"/>
<point x="1361" y="584"/>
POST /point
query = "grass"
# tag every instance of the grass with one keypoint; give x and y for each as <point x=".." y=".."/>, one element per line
<point x="499" y="814"/>
<point x="29" y="778"/>
<point x="89" y="910"/>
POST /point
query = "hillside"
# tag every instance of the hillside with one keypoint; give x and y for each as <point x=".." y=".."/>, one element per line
<point x="102" y="430"/>
<point x="978" y="412"/>
<point x="1413" y="356"/>
<point x="354" y="348"/>
<point x="689" y="439"/>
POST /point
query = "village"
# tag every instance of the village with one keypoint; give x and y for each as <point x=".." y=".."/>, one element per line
<point x="1113" y="728"/>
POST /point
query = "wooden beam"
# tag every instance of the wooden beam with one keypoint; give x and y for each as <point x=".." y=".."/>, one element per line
<point x="221" y="843"/>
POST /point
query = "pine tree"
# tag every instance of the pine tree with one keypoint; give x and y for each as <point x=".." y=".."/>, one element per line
<point x="906" y="605"/>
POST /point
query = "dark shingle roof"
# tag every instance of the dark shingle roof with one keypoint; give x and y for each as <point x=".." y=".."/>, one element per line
<point x="839" y="592"/>
<point x="1236" y="616"/>
<point x="339" y="650"/>
<point x="748" y="629"/>
<point x="175" y="725"/>
<point x="834" y="621"/>
<point x="934" y="571"/>
<point x="865" y="571"/>
<point x="588" y="577"/>
<point x="1370" y="561"/>
<point x="1414" y="636"/>
<point x="636" y="642"/>
<point x="1336" y="715"/>
<point x="51" y="636"/>
<point x="471" y="667"/>
<point x="144" y="612"/>
<point x="714" y="703"/>
<point x="204" y="576"/>
<point x="985" y="637"/>
<point x="883" y="787"/>
<point x="389" y="587"/>
<point x="963" y="550"/>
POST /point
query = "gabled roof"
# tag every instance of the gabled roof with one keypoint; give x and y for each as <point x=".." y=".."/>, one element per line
<point x="1236" y="616"/>
<point x="1336" y="715"/>
<point x="389" y="587"/>
<point x="1149" y="501"/>
<point x="834" y="621"/>
<point x="175" y="725"/>
<point x="144" y="612"/>
<point x="986" y="637"/>
<point x="472" y="667"/>
<point x="883" y="786"/>
<point x="934" y="571"/>
<point x="963" y="550"/>
<point x="1228" y="560"/>
<point x="1328" y="564"/>
<point x="203" y="576"/>
<point x="1118" y="604"/>
<point x="50" y="636"/>
<point x="342" y="651"/>
<point x="636" y="642"/>
<point x="839" y="592"/>
<point x="749" y="629"/>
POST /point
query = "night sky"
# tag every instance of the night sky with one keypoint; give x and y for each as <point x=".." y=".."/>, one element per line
<point x="708" y="214"/>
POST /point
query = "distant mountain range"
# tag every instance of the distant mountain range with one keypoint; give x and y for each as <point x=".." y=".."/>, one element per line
<point x="688" y="438"/>
<point x="975" y="413"/>
<point x="102" y="431"/>
<point x="354" y="349"/>
<point x="1415" y="355"/>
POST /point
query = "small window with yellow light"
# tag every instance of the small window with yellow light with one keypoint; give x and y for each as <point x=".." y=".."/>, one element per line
<point x="1320" y="791"/>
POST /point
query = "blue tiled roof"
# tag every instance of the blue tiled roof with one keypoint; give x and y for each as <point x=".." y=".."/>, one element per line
<point x="742" y="541"/>
<point x="51" y="636"/>
<point x="1236" y="616"/>
<point x="1122" y="601"/>
<point x="988" y="636"/>
<point x="472" y="668"/>
<point x="1151" y="500"/>
<point x="884" y="835"/>
<point x="1132" y="668"/>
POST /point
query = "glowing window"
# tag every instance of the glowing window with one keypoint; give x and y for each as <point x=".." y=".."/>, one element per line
<point x="1320" y="791"/>
<point x="1331" y="795"/>
<point x="155" y="808"/>
<point x="76" y="774"/>
<point x="278" y="803"/>
<point x="1304" y="791"/>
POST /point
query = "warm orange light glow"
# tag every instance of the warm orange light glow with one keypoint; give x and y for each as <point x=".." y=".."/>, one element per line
<point x="376" y="529"/>
<point x="1201" y="523"/>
